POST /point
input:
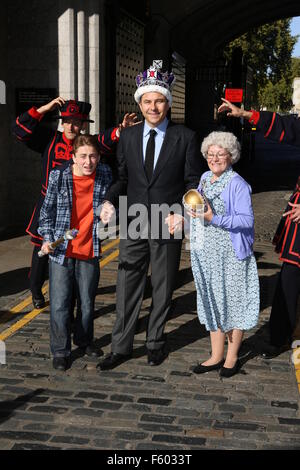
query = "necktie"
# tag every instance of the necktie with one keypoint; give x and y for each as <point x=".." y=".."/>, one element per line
<point x="149" y="158"/>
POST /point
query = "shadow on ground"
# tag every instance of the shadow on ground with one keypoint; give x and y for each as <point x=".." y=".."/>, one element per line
<point x="8" y="407"/>
<point x="13" y="282"/>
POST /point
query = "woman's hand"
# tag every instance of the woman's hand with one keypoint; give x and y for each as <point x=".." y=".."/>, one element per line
<point x="207" y="215"/>
<point x="294" y="213"/>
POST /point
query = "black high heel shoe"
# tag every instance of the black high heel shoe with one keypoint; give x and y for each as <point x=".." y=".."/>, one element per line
<point x="201" y="369"/>
<point x="230" y="371"/>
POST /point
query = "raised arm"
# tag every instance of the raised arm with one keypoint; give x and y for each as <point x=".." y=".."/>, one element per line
<point x="275" y="127"/>
<point x="110" y="137"/>
<point x="26" y="128"/>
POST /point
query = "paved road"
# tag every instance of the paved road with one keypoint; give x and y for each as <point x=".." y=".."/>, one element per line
<point x="139" y="407"/>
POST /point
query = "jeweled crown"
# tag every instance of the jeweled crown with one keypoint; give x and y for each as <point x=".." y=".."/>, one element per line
<point x="154" y="76"/>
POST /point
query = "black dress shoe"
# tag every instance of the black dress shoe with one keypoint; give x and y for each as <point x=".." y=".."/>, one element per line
<point x="60" y="363"/>
<point x="112" y="360"/>
<point x="38" y="301"/>
<point x="90" y="351"/>
<point x="156" y="356"/>
<point x="230" y="371"/>
<point x="269" y="352"/>
<point x="201" y="369"/>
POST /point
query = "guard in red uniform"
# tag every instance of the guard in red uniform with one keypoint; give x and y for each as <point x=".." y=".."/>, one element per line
<point x="283" y="317"/>
<point x="56" y="149"/>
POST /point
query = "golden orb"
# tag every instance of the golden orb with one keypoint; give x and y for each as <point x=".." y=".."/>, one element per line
<point x="192" y="199"/>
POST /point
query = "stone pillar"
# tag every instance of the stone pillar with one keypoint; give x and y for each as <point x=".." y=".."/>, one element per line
<point x="81" y="56"/>
<point x="94" y="71"/>
<point x="66" y="54"/>
<point x="2" y="92"/>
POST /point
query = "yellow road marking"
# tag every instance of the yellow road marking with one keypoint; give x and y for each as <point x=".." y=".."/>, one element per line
<point x="109" y="258"/>
<point x="18" y="308"/>
<point x="19" y="324"/>
<point x="110" y="245"/>
<point x="34" y="313"/>
<point x="296" y="361"/>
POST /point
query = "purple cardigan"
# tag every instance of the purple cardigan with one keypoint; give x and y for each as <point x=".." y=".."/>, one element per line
<point x="239" y="218"/>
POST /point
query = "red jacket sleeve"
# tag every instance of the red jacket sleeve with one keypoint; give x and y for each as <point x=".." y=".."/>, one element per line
<point x="108" y="140"/>
<point x="26" y="129"/>
<point x="284" y="129"/>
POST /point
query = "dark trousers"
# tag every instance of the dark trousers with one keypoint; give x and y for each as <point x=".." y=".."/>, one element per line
<point x="85" y="274"/>
<point x="284" y="308"/>
<point x="135" y="257"/>
<point x="38" y="272"/>
<point x="38" y="275"/>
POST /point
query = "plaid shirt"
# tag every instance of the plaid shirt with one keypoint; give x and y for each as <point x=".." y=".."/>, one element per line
<point x="56" y="211"/>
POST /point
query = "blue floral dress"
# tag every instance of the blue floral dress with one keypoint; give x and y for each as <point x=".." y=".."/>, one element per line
<point x="227" y="288"/>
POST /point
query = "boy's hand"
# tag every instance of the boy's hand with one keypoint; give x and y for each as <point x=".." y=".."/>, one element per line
<point x="46" y="248"/>
<point x="107" y="212"/>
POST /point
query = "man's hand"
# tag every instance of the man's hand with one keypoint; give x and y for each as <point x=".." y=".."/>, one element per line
<point x="107" y="212"/>
<point x="46" y="248"/>
<point x="52" y="105"/>
<point x="175" y="223"/>
<point x="129" y="120"/>
<point x="294" y="213"/>
<point x="234" y="111"/>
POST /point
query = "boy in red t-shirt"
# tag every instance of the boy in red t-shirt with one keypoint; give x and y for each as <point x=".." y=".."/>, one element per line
<point x="71" y="201"/>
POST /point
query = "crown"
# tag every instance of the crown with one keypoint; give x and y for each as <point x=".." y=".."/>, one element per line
<point x="154" y="76"/>
<point x="153" y="79"/>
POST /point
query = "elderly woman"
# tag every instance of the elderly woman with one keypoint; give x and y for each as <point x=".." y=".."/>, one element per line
<point x="224" y="266"/>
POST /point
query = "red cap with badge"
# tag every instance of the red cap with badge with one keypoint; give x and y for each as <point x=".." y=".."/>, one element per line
<point x="75" y="109"/>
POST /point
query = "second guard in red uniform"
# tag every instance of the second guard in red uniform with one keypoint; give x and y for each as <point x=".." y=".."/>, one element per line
<point x="285" y="129"/>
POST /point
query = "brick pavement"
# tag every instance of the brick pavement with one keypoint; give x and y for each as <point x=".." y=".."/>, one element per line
<point x="137" y="407"/>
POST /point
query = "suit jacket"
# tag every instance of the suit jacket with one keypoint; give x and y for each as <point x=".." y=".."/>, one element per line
<point x="178" y="168"/>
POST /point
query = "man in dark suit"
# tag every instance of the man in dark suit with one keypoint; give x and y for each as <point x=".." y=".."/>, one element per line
<point x="158" y="161"/>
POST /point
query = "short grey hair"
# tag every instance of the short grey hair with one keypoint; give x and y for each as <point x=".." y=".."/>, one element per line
<point x="227" y="140"/>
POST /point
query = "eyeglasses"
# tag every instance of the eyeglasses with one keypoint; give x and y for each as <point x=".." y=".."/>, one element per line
<point x="219" y="155"/>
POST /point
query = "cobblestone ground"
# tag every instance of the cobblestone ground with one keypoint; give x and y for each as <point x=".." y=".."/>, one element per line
<point x="137" y="407"/>
<point x="140" y="407"/>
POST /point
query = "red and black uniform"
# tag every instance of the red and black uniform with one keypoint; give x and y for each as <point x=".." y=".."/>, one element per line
<point x="285" y="129"/>
<point x="287" y="236"/>
<point x="55" y="150"/>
